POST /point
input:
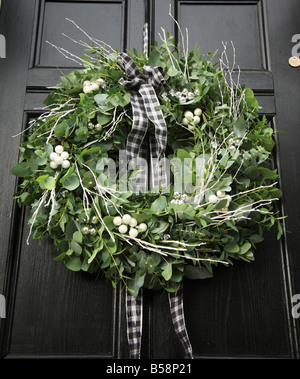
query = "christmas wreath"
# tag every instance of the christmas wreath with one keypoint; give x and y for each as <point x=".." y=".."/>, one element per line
<point x="212" y="207"/>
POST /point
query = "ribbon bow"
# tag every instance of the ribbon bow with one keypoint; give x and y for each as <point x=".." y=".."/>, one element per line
<point x="144" y="105"/>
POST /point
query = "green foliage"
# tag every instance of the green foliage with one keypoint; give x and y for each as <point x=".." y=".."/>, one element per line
<point x="227" y="152"/>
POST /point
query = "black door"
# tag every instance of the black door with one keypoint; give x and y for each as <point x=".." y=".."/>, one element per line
<point x="245" y="311"/>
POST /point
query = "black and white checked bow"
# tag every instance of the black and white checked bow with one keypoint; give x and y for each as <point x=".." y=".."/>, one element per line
<point x="134" y="317"/>
<point x="144" y="101"/>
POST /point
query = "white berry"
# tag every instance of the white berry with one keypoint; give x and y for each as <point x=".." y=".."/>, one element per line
<point x="53" y="156"/>
<point x="86" y="83"/>
<point x="220" y="193"/>
<point x="191" y="127"/>
<point x="212" y="198"/>
<point x="64" y="155"/>
<point x="188" y="114"/>
<point x="53" y="164"/>
<point x="143" y="227"/>
<point x="59" y="149"/>
<point x="196" y="120"/>
<point x="85" y="230"/>
<point x="87" y="89"/>
<point x="185" y="121"/>
<point x="100" y="81"/>
<point x="133" y="222"/>
<point x="197" y="112"/>
<point x="126" y="219"/>
<point x="133" y="232"/>
<point x="117" y="221"/>
<point x="58" y="160"/>
<point x="65" y="164"/>
<point x="94" y="86"/>
<point x="123" y="228"/>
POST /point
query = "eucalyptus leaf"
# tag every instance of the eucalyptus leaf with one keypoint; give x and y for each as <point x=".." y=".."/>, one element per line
<point x="245" y="247"/>
<point x="159" y="205"/>
<point x="240" y="127"/>
<point x="71" y="182"/>
<point x="136" y="283"/>
<point x="232" y="247"/>
<point x="173" y="71"/>
<point x="21" y="169"/>
<point x="76" y="247"/>
<point x="77" y="237"/>
<point x="154" y="58"/>
<point x="73" y="263"/>
<point x="167" y="271"/>
<point x="46" y="182"/>
<point x="197" y="272"/>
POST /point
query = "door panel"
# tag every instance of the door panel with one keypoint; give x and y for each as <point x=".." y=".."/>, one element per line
<point x="210" y="23"/>
<point x="117" y="23"/>
<point x="51" y="310"/>
<point x="105" y="19"/>
<point x="236" y="313"/>
<point x="244" y="311"/>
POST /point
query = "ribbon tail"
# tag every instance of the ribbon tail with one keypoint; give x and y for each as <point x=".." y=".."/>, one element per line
<point x="134" y="318"/>
<point x="159" y="168"/>
<point x="177" y="313"/>
<point x="146" y="39"/>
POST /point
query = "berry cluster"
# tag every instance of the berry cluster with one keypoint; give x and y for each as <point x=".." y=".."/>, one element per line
<point x="96" y="127"/>
<point x="220" y="195"/>
<point x="59" y="157"/>
<point x="90" y="229"/>
<point x="89" y="86"/>
<point x="179" y="198"/>
<point x="183" y="96"/>
<point x="126" y="222"/>
<point x="234" y="144"/>
<point x="192" y="119"/>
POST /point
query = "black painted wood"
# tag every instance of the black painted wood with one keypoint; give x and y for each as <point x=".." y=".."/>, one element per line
<point x="244" y="311"/>
<point x="13" y="85"/>
<point x="282" y="28"/>
<point x="52" y="311"/>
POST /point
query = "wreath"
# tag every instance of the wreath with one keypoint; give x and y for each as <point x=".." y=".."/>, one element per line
<point x="213" y="208"/>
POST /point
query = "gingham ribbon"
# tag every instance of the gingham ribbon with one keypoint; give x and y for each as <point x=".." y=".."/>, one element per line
<point x="177" y="314"/>
<point x="134" y="317"/>
<point x="146" y="39"/>
<point x="144" y="103"/>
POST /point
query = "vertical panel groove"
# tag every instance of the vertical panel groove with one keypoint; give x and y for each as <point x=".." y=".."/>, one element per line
<point x="12" y="269"/>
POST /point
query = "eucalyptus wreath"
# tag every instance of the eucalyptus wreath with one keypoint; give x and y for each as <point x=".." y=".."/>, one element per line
<point x="218" y="204"/>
